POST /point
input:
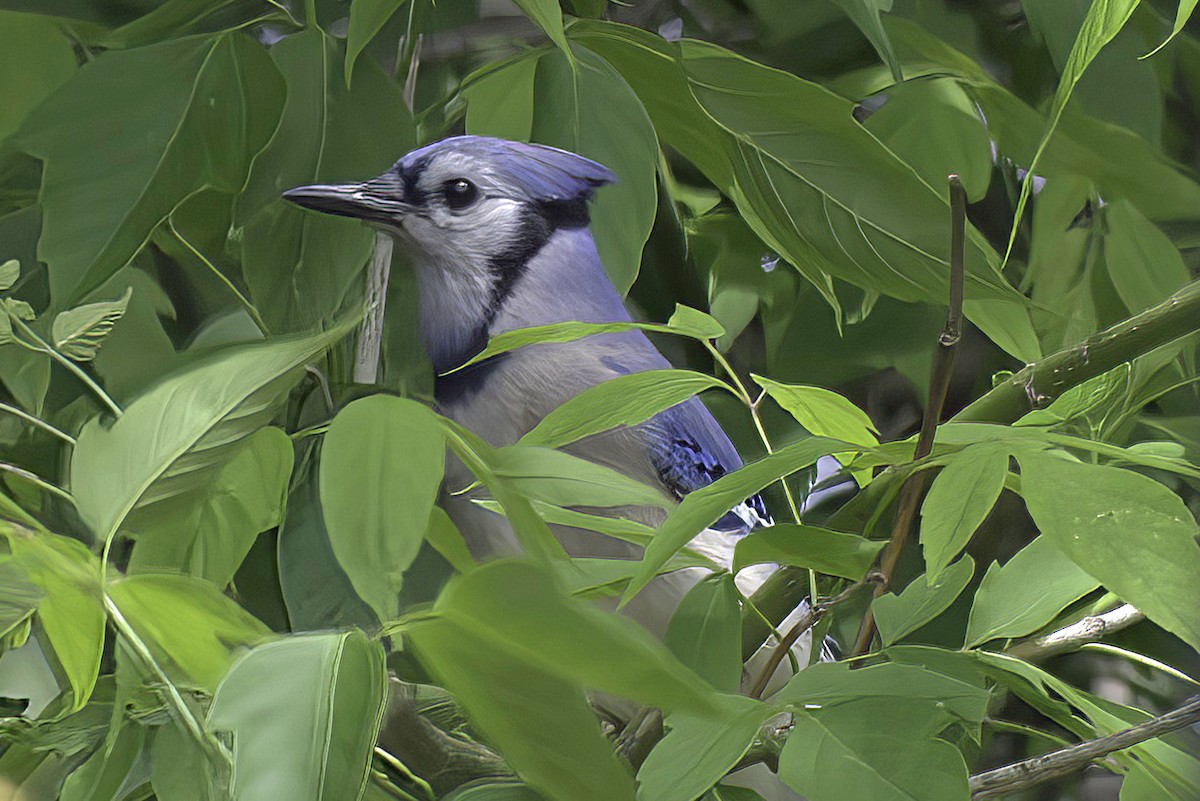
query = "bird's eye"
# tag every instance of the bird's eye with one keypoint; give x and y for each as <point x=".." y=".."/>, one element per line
<point x="460" y="193"/>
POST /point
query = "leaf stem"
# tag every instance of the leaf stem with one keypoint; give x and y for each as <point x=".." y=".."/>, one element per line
<point x="37" y="421"/>
<point x="38" y="481"/>
<point x="42" y="346"/>
<point x="242" y="299"/>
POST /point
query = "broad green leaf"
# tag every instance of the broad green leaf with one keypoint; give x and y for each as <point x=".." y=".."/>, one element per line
<point x="1182" y="14"/>
<point x="899" y="615"/>
<point x="547" y="15"/>
<point x="540" y="722"/>
<point x="10" y="271"/>
<point x="814" y="185"/>
<point x="961" y="496"/>
<point x="872" y="751"/>
<point x="565" y="637"/>
<point x="698" y="752"/>
<point x="1094" y="395"/>
<point x="1128" y="531"/>
<point x="300" y="266"/>
<point x="19" y="596"/>
<point x="622" y="401"/>
<point x="705" y="632"/>
<point x="705" y="506"/>
<point x="190" y="627"/>
<point x="1104" y="20"/>
<point x="173" y="18"/>
<point x="170" y="439"/>
<point x="561" y="479"/>
<point x="935" y="126"/>
<point x="318" y="749"/>
<point x="585" y="577"/>
<point x="367" y="18"/>
<point x="695" y="323"/>
<point x="500" y="99"/>
<point x="36" y="57"/>
<point x="1026" y="593"/>
<point x="201" y="108"/>
<point x="103" y="776"/>
<point x="447" y="540"/>
<point x="208" y="532"/>
<point x="70" y="612"/>
<point x="865" y="15"/>
<point x="828" y="684"/>
<point x="1143" y="263"/>
<point x="506" y="791"/>
<point x="381" y="468"/>
<point x="78" y="333"/>
<point x="834" y="553"/>
<point x="179" y="769"/>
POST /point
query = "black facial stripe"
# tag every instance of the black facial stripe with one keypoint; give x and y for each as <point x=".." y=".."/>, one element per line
<point x="413" y="194"/>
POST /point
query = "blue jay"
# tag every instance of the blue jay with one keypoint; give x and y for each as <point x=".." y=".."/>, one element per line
<point x="498" y="235"/>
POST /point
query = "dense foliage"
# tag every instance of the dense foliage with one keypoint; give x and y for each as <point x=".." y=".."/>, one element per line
<point x="218" y="538"/>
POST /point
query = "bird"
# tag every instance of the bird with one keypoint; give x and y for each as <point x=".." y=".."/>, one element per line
<point x="498" y="235"/>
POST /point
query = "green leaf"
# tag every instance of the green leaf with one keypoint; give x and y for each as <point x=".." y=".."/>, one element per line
<point x="705" y="506"/>
<point x="208" y="532"/>
<point x="1129" y="531"/>
<point x="547" y="15"/>
<point x="625" y="400"/>
<point x="104" y="775"/>
<point x="1103" y="22"/>
<point x="448" y="541"/>
<point x="202" y="107"/>
<point x="179" y="770"/>
<point x="1026" y="593"/>
<point x="172" y="438"/>
<point x="876" y="751"/>
<point x="705" y="632"/>
<point x="961" y="496"/>
<point x="814" y="185"/>
<point x="301" y="266"/>
<point x="899" y="615"/>
<point x="190" y="626"/>
<point x="1182" y="15"/>
<point x="561" y="479"/>
<point x="367" y="18"/>
<point x="10" y="271"/>
<point x="36" y="57"/>
<point x="318" y="749"/>
<point x="506" y="791"/>
<point x="698" y="752"/>
<point x="78" y="333"/>
<point x="70" y="612"/>
<point x="827" y="684"/>
<point x="865" y="15"/>
<point x="19" y="596"/>
<point x="381" y="468"/>
<point x="1143" y="263"/>
<point x="541" y="722"/>
<point x="565" y="637"/>
<point x="834" y="553"/>
<point x="500" y="99"/>
<point x="173" y="18"/>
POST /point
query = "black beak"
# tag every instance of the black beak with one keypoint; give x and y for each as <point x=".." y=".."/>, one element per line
<point x="362" y="201"/>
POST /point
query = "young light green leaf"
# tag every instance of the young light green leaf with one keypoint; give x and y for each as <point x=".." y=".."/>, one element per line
<point x="1026" y="593"/>
<point x="367" y="18"/>
<point x="70" y="612"/>
<point x="106" y="771"/>
<point x="1182" y="15"/>
<point x="447" y="540"/>
<point x="899" y="615"/>
<point x="97" y="217"/>
<point x="1125" y="529"/>
<point x="318" y="749"/>
<point x="698" y="752"/>
<point x="695" y="323"/>
<point x="622" y="401"/>
<point x="170" y="439"/>
<point x="706" y="632"/>
<point x="381" y="468"/>
<point x="10" y="271"/>
<point x="962" y="495"/>
<point x="208" y="532"/>
<point x="1103" y="22"/>
<point x="561" y="479"/>
<point x="191" y="628"/>
<point x="705" y="506"/>
<point x="19" y="597"/>
<point x="547" y="15"/>
<point x="865" y="15"/>
<point x="78" y="333"/>
<point x="834" y="553"/>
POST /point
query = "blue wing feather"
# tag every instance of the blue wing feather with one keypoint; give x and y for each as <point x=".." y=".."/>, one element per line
<point x="690" y="451"/>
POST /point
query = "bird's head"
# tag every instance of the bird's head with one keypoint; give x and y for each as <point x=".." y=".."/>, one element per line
<point x="468" y="203"/>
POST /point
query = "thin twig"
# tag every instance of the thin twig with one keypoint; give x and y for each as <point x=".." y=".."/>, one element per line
<point x="1071" y="638"/>
<point x="37" y="421"/>
<point x="806" y="621"/>
<point x="370" y="335"/>
<point x="939" y="383"/>
<point x="1031" y="772"/>
<point x="42" y="346"/>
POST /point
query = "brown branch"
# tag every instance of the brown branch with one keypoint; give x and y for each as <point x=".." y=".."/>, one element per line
<point x="1071" y="638"/>
<point x="939" y="383"/>
<point x="805" y="622"/>
<point x="1030" y="772"/>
